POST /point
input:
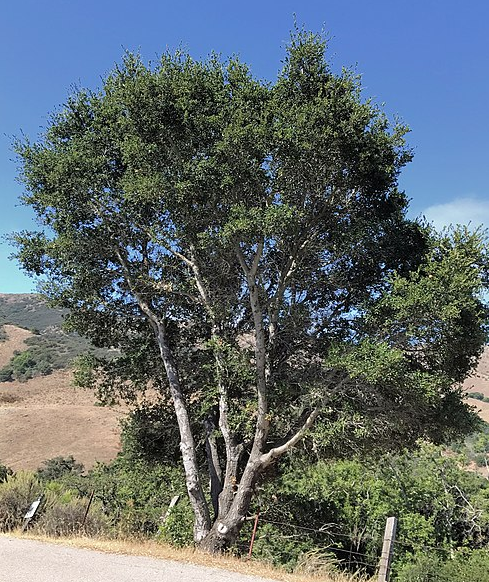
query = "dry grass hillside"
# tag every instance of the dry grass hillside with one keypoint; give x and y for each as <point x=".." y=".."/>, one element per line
<point x="46" y="417"/>
<point x="14" y="343"/>
<point x="479" y="382"/>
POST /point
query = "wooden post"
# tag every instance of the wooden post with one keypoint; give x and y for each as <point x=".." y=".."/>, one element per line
<point x="387" y="549"/>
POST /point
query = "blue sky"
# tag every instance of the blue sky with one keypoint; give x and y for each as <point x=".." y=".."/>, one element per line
<point x="426" y="60"/>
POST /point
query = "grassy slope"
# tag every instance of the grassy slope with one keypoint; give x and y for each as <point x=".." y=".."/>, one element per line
<point x="45" y="417"/>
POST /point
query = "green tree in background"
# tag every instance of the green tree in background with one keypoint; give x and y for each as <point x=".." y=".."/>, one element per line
<point x="245" y="247"/>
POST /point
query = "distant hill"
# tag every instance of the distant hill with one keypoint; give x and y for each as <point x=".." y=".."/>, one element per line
<point x="29" y="311"/>
<point x="49" y="348"/>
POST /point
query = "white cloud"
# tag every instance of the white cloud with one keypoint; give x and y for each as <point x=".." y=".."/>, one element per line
<point x="469" y="211"/>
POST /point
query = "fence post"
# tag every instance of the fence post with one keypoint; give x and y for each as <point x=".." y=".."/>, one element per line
<point x="255" y="526"/>
<point x="387" y="549"/>
<point x="92" y="494"/>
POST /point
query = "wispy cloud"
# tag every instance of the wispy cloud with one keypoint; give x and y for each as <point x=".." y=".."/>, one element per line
<point x="470" y="210"/>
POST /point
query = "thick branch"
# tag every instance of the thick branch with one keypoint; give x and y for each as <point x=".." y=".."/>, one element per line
<point x="278" y="451"/>
<point x="262" y="423"/>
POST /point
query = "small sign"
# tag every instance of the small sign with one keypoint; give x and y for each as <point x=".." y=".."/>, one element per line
<point x="33" y="508"/>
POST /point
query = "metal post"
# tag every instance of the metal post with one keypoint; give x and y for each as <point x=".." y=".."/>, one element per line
<point x="253" y="534"/>
<point x="87" y="509"/>
<point x="387" y="549"/>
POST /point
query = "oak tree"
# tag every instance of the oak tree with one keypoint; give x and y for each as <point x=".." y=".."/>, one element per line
<point x="245" y="248"/>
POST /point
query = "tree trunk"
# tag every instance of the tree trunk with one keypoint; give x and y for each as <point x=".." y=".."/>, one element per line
<point x="225" y="530"/>
<point x="187" y="444"/>
<point x="215" y="472"/>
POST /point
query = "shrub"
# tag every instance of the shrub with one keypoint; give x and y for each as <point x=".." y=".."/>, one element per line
<point x="25" y="365"/>
<point x="58" y="468"/>
<point x="17" y="493"/>
<point x="423" y="568"/>
<point x="5" y="472"/>
<point x="465" y="566"/>
<point x="6" y="374"/>
<point x="64" y="515"/>
<point x="178" y="525"/>
<point x="135" y="495"/>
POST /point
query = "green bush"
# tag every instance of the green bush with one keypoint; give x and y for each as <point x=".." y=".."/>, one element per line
<point x="135" y="495"/>
<point x="6" y="374"/>
<point x="465" y="566"/>
<point x="26" y="365"/>
<point x="468" y="566"/>
<point x="59" y="468"/>
<point x="178" y="526"/>
<point x="423" y="568"/>
<point x="5" y="472"/>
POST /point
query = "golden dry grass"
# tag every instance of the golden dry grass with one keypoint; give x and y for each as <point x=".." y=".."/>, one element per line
<point x="46" y="417"/>
<point x="14" y="343"/>
<point x="158" y="550"/>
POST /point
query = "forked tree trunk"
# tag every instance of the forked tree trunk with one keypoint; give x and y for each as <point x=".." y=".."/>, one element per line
<point x="226" y="528"/>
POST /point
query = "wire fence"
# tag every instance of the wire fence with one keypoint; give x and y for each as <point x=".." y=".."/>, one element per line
<point x="359" y="558"/>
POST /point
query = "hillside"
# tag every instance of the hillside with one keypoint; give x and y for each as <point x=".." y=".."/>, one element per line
<point x="45" y="416"/>
<point x="479" y="382"/>
<point x="29" y="311"/>
<point x="47" y="348"/>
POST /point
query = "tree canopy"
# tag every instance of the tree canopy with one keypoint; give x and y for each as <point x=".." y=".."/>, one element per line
<point x="245" y="247"/>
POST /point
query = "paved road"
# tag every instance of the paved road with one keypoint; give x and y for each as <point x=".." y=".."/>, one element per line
<point x="33" y="561"/>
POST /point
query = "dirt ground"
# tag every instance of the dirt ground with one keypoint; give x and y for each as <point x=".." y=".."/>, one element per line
<point x="46" y="417"/>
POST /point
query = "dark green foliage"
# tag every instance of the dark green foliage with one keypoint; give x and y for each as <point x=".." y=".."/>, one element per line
<point x="149" y="434"/>
<point x="135" y="495"/>
<point x="6" y="374"/>
<point x="342" y="507"/>
<point x="464" y="566"/>
<point x="57" y="468"/>
<point x="4" y="472"/>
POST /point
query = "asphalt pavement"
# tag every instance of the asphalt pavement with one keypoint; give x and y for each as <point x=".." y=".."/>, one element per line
<point x="33" y="561"/>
